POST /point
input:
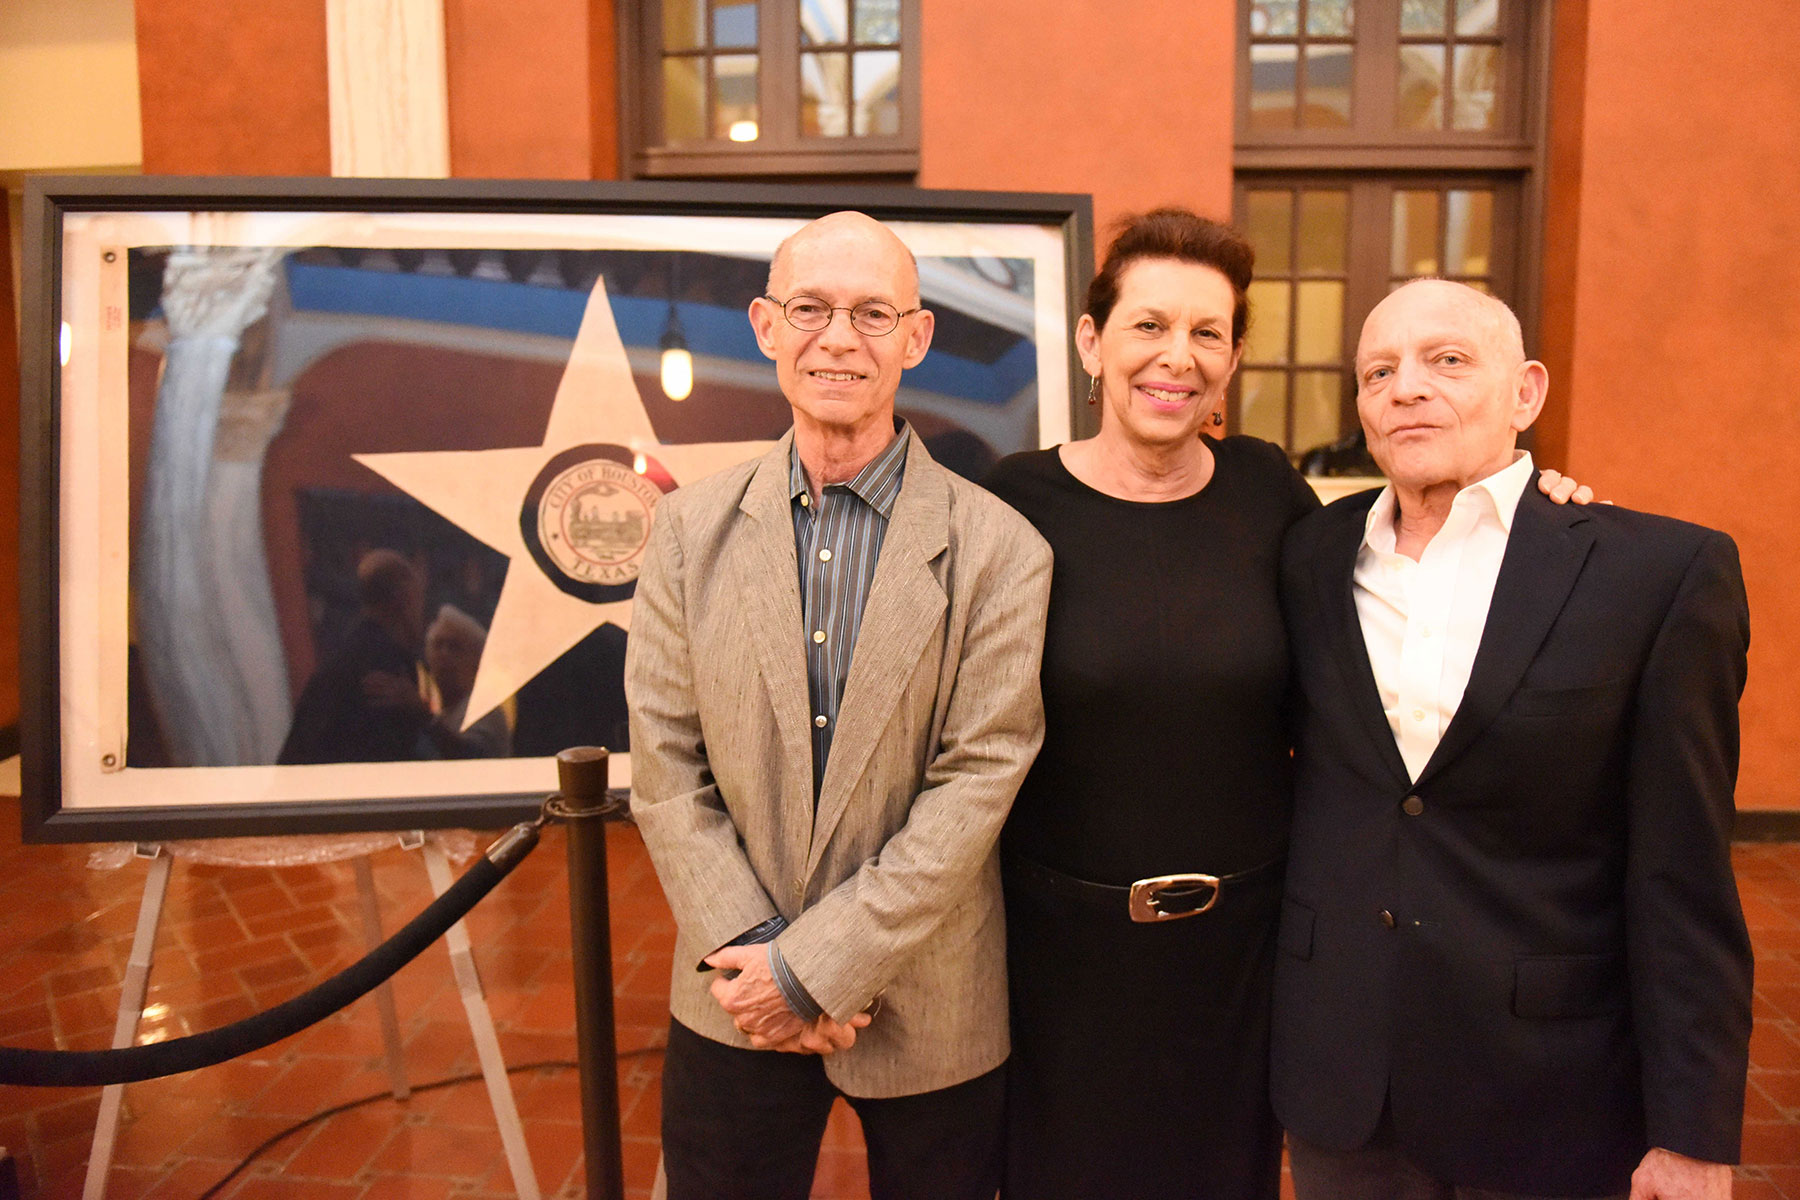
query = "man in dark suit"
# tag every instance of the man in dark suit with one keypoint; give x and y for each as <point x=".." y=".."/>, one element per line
<point x="1514" y="961"/>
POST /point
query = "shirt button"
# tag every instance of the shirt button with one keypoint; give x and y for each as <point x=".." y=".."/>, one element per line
<point x="818" y="635"/>
<point x="824" y="556"/>
<point x="1418" y="714"/>
<point x="1425" y="632"/>
<point x="1412" y="806"/>
<point x="1387" y="918"/>
<point x="821" y="721"/>
<point x="805" y="500"/>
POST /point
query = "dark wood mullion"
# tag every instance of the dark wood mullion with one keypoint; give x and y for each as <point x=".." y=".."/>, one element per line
<point x="1376" y="69"/>
<point x="1369" y="262"/>
<point x="778" y="74"/>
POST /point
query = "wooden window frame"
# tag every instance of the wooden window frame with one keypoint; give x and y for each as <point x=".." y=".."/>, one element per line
<point x="1368" y="274"/>
<point x="780" y="150"/>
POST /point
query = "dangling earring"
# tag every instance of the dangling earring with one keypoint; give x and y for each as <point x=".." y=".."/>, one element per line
<point x="1218" y="417"/>
<point x="1093" y="390"/>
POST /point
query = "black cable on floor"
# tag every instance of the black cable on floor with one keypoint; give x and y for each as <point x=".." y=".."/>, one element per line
<point x="346" y="1106"/>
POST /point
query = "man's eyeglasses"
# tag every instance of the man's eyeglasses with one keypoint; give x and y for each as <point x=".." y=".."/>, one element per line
<point x="809" y="314"/>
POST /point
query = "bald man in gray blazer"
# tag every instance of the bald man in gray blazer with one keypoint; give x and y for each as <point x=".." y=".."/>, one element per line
<point x="833" y="681"/>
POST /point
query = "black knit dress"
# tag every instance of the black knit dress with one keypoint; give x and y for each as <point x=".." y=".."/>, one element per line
<point x="1140" y="1052"/>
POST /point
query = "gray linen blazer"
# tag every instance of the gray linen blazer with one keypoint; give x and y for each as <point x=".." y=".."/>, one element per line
<point x="893" y="887"/>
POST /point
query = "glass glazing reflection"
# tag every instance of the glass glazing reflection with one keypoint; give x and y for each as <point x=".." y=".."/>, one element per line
<point x="1330" y="18"/>
<point x="1415" y="234"/>
<point x="734" y="92"/>
<point x="734" y="23"/>
<point x="1477" y="18"/>
<point x="1327" y="87"/>
<point x="684" y="99"/>
<point x="824" y="22"/>
<point x="1324" y="231"/>
<point x="878" y="22"/>
<point x="1318" y="321"/>
<point x="1318" y="408"/>
<point x="1268" y="223"/>
<point x="1273" y="77"/>
<point x="684" y="24"/>
<point x="1421" y="18"/>
<point x="825" y="94"/>
<point x="1267" y="339"/>
<point x="1275" y="18"/>
<point x="1419" y="103"/>
<point x="876" y="78"/>
<point x="1262" y="405"/>
<point x="1468" y="232"/>
<point x="1477" y="86"/>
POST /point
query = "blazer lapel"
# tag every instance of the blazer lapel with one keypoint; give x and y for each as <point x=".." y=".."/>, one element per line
<point x="906" y="602"/>
<point x="1544" y="554"/>
<point x="768" y="578"/>
<point x="1334" y="570"/>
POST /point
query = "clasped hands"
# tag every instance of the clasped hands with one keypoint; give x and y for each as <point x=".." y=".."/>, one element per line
<point x="758" y="1009"/>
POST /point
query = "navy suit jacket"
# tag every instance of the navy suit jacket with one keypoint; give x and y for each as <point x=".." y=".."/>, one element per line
<point x="1534" y="954"/>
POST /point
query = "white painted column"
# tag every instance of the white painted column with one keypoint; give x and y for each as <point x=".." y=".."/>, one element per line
<point x="389" y="91"/>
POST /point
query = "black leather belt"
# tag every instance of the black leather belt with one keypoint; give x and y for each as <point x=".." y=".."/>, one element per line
<point x="1156" y="898"/>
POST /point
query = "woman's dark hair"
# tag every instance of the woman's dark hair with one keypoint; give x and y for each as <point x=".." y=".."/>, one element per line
<point x="1187" y="237"/>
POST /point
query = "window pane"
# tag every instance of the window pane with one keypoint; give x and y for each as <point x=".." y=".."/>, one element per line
<point x="1327" y="87"/>
<point x="684" y="99"/>
<point x="1468" y="232"/>
<point x="1272" y="86"/>
<point x="1477" y="18"/>
<point x="1477" y="83"/>
<point x="878" y="22"/>
<point x="1421" y="18"/>
<point x="824" y="22"/>
<point x="684" y="24"/>
<point x="1318" y="411"/>
<point x="877" y="93"/>
<point x="1268" y="221"/>
<point x="1415" y="234"/>
<point x="734" y="97"/>
<point x="1267" y="340"/>
<point x="825" y="95"/>
<point x="1275" y="18"/>
<point x="1324" y="231"/>
<point x="734" y="23"/>
<point x="1419" y="103"/>
<point x="1262" y="405"/>
<point x="1319" y="322"/>
<point x="1329" y="18"/>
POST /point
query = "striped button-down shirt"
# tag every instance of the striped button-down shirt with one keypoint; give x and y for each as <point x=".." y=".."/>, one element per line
<point x="837" y="543"/>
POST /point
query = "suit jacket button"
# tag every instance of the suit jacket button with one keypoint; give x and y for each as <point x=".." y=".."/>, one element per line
<point x="1412" y="806"/>
<point x="1387" y="918"/>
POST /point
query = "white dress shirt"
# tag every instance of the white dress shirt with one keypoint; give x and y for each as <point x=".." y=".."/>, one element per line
<point x="1422" y="621"/>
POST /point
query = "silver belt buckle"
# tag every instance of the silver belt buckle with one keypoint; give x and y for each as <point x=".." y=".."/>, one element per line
<point x="1146" y="905"/>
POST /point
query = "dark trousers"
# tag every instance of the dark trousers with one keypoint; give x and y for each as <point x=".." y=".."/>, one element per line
<point x="1377" y="1171"/>
<point x="746" y="1125"/>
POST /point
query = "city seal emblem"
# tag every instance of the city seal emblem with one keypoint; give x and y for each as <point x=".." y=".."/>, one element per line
<point x="586" y="520"/>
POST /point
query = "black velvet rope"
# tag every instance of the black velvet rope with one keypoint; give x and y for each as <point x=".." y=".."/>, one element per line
<point x="130" y="1064"/>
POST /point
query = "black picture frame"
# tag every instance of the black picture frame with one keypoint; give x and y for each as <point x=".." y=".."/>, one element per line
<point x="68" y="455"/>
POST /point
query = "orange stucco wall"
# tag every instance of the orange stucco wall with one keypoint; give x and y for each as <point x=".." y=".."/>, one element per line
<point x="1133" y="105"/>
<point x="519" y="88"/>
<point x="1686" y="312"/>
<point x="225" y="95"/>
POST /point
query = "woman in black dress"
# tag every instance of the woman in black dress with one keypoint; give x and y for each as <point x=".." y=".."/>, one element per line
<point x="1140" y="1047"/>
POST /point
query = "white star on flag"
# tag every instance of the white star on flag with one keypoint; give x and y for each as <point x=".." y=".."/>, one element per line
<point x="481" y="491"/>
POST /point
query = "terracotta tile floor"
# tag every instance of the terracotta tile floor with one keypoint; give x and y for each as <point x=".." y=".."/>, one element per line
<point x="235" y="940"/>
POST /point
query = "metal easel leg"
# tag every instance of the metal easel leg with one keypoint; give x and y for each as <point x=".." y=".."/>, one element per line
<point x="384" y="995"/>
<point x="131" y="1010"/>
<point x="487" y="1042"/>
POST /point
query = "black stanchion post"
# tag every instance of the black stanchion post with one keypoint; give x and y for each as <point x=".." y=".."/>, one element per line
<point x="581" y="780"/>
